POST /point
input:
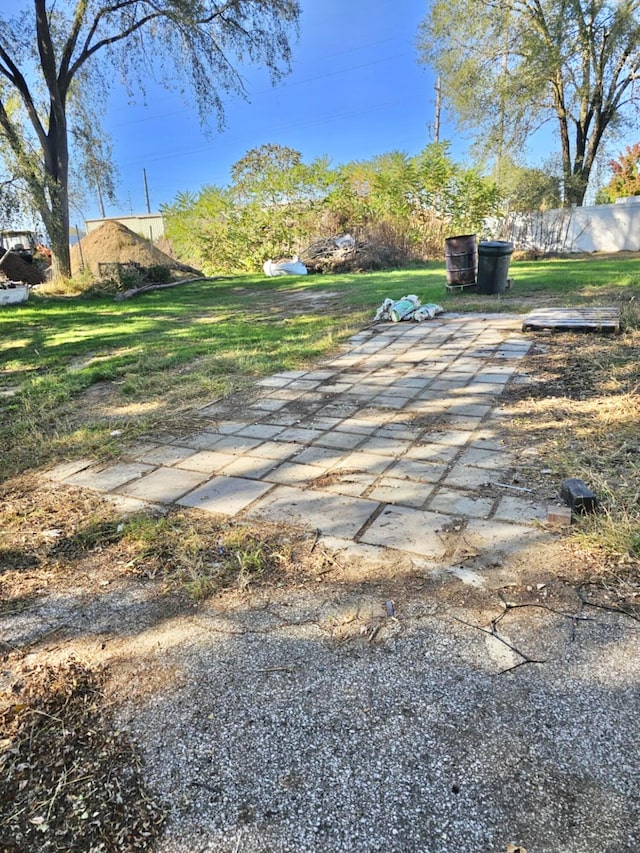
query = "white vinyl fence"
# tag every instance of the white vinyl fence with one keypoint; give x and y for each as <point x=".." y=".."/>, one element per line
<point x="596" y="228"/>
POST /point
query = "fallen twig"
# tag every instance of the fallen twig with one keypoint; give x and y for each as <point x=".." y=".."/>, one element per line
<point x="315" y="540"/>
<point x="134" y="291"/>
<point x="508" y="606"/>
<point x="610" y="609"/>
<point x="513" y="488"/>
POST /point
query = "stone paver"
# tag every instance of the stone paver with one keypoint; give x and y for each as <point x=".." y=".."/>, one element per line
<point x="207" y="461"/>
<point x="404" y="492"/>
<point x="291" y="474"/>
<point x="164" y="485"/>
<point x="409" y="530"/>
<point x="460" y="503"/>
<point x="68" y="469"/>
<point x="168" y="455"/>
<point x="225" y="495"/>
<point x="464" y="477"/>
<point x="487" y="536"/>
<point x="202" y="440"/>
<point x="107" y="478"/>
<point x="421" y="472"/>
<point x="389" y="444"/>
<point x="520" y="510"/>
<point x="332" y="515"/>
<point x="249" y="466"/>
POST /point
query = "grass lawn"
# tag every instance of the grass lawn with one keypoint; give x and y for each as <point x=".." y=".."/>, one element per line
<point x="74" y="370"/>
<point x="85" y="376"/>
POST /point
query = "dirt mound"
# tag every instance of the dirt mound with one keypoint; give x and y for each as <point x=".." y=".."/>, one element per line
<point x="15" y="269"/>
<point x="113" y="243"/>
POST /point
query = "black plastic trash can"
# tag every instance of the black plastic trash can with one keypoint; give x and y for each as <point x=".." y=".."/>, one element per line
<point x="494" y="257"/>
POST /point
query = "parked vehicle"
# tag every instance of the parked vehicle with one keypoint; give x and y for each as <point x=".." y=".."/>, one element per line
<point x="28" y="245"/>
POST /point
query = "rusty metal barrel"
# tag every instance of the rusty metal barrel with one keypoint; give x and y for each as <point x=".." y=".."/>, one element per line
<point x="461" y="257"/>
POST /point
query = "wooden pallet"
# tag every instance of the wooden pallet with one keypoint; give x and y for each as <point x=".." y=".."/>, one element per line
<point x="573" y="319"/>
<point x="472" y="287"/>
<point x="461" y="288"/>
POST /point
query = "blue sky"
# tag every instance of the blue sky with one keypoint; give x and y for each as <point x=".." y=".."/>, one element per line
<point x="356" y="90"/>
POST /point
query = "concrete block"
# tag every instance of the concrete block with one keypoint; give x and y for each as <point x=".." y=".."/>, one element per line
<point x="578" y="495"/>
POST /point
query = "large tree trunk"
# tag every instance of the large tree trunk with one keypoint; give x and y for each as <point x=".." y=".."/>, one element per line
<point x="58" y="232"/>
<point x="56" y="218"/>
<point x="576" y="189"/>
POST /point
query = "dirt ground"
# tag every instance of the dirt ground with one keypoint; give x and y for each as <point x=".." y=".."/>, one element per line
<point x="102" y="637"/>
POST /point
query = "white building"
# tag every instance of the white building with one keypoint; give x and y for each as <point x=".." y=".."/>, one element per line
<point x="147" y="225"/>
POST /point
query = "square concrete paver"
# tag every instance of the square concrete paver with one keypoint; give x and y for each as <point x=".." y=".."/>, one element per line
<point x="231" y="427"/>
<point x="292" y="474"/>
<point x="67" y="469"/>
<point x="274" y="381"/>
<point x="299" y="435"/>
<point x="236" y="444"/>
<point x="283" y="419"/>
<point x="520" y="510"/>
<point x="496" y="460"/>
<point x="345" y="483"/>
<point x="339" y="440"/>
<point x="464" y="477"/>
<point x="358" y="425"/>
<point x="205" y="440"/>
<point x="168" y="455"/>
<point x="390" y="401"/>
<point x="269" y="404"/>
<point x="414" y="469"/>
<point x="403" y="492"/>
<point x="430" y="452"/>
<point x="332" y="515"/>
<point x="323" y="424"/>
<point x="249" y="466"/>
<point x="276" y="450"/>
<point x="207" y="461"/>
<point x="385" y="446"/>
<point x="106" y="479"/>
<point x="399" y="430"/>
<point x="496" y="536"/>
<point x="225" y="495"/>
<point x="323" y="457"/>
<point x="364" y="463"/>
<point x="449" y="437"/>
<point x="261" y="431"/>
<point x="165" y="485"/>
<point x="457" y="503"/>
<point x="410" y="530"/>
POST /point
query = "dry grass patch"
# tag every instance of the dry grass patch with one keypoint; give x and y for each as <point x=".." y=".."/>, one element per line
<point x="70" y="779"/>
<point x="582" y="402"/>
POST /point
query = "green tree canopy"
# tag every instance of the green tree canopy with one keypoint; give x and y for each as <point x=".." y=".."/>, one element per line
<point x="625" y="180"/>
<point x="57" y="58"/>
<point x="508" y="68"/>
<point x="525" y="189"/>
<point x="277" y="205"/>
<point x="270" y="209"/>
